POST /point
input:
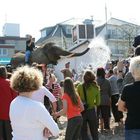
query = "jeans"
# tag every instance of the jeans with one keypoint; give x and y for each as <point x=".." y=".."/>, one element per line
<point x="103" y="112"/>
<point x="74" y="128"/>
<point x="133" y="134"/>
<point x="118" y="115"/>
<point x="90" y="118"/>
<point x="27" y="56"/>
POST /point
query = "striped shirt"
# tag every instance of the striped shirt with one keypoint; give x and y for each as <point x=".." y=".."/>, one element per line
<point x="55" y="89"/>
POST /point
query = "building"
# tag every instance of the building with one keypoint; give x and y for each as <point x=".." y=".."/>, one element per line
<point x="11" y="29"/>
<point x="60" y="34"/>
<point x="83" y="32"/>
<point x="11" y="42"/>
<point x="9" y="46"/>
<point x="119" y="36"/>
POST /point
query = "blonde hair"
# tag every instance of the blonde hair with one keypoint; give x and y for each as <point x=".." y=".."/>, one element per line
<point x="135" y="67"/>
<point x="53" y="77"/>
<point x="26" y="79"/>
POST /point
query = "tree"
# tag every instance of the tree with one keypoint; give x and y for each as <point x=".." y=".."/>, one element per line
<point x="129" y="31"/>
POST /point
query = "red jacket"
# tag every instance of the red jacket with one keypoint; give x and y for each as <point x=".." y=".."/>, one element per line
<point x="6" y="96"/>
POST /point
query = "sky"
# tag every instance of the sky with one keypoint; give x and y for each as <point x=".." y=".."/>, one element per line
<point x="34" y="15"/>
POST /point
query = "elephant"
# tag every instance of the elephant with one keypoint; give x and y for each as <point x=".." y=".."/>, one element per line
<point x="46" y="54"/>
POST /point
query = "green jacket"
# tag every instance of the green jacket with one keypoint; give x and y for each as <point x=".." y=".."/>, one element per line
<point x="93" y="95"/>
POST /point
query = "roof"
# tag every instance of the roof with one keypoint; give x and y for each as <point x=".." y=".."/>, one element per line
<point x="99" y="29"/>
<point x="7" y="46"/>
<point x="59" y="29"/>
<point x="113" y="21"/>
<point x="12" y="38"/>
<point x="55" y="31"/>
<point x="122" y="21"/>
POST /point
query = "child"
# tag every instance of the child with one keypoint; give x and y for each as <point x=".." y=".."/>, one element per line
<point x="72" y="106"/>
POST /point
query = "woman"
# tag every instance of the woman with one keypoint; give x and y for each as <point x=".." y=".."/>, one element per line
<point x="72" y="106"/>
<point x="130" y="102"/>
<point x="90" y="95"/>
<point x="6" y="96"/>
<point x="29" y="117"/>
<point x="104" y="108"/>
<point x="54" y="87"/>
<point x="43" y="95"/>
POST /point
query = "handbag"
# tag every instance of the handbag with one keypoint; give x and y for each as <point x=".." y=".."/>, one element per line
<point x="85" y="96"/>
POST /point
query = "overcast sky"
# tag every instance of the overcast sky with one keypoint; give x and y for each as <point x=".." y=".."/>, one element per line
<point x="33" y="15"/>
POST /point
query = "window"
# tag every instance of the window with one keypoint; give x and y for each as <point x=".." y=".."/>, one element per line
<point x="2" y="41"/>
<point x="3" y="52"/>
<point x="68" y="30"/>
<point x="112" y="33"/>
<point x="74" y="34"/>
<point x="82" y="34"/>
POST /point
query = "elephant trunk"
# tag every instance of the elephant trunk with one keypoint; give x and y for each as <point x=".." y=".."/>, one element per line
<point x="80" y="54"/>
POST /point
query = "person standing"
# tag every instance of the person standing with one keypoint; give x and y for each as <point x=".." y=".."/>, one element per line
<point x="128" y="78"/>
<point x="105" y="91"/>
<point x="6" y="96"/>
<point x="29" y="118"/>
<point x="54" y="87"/>
<point x="89" y="93"/>
<point x="130" y="102"/>
<point x="29" y="48"/>
<point x="40" y="94"/>
<point x="67" y="72"/>
<point x="118" y="116"/>
<point x="72" y="106"/>
<point x="43" y="95"/>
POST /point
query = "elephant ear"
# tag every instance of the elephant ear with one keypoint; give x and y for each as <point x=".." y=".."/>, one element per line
<point x="18" y="59"/>
<point x="51" y="52"/>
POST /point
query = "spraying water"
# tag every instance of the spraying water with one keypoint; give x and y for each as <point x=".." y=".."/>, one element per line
<point x="98" y="55"/>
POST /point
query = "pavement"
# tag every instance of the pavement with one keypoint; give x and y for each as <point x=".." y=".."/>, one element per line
<point x="116" y="132"/>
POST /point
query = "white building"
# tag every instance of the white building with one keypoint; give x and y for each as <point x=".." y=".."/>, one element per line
<point x="11" y="29"/>
<point x="119" y="36"/>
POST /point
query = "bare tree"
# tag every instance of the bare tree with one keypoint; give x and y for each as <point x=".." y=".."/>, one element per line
<point x="129" y="31"/>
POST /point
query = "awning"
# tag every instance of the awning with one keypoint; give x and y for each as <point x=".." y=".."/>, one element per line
<point x="5" y="60"/>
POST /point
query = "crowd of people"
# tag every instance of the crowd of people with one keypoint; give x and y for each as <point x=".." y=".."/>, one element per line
<point x="32" y="100"/>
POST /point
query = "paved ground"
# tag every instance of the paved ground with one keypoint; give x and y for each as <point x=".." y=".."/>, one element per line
<point x="116" y="133"/>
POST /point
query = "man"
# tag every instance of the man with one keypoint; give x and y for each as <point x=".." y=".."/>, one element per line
<point x="136" y="41"/>
<point x="29" y="48"/>
<point x="130" y="102"/>
<point x="67" y="72"/>
<point x="6" y="96"/>
<point x="128" y="77"/>
<point x="113" y="78"/>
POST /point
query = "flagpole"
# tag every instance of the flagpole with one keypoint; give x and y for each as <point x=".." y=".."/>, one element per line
<point x="106" y="22"/>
